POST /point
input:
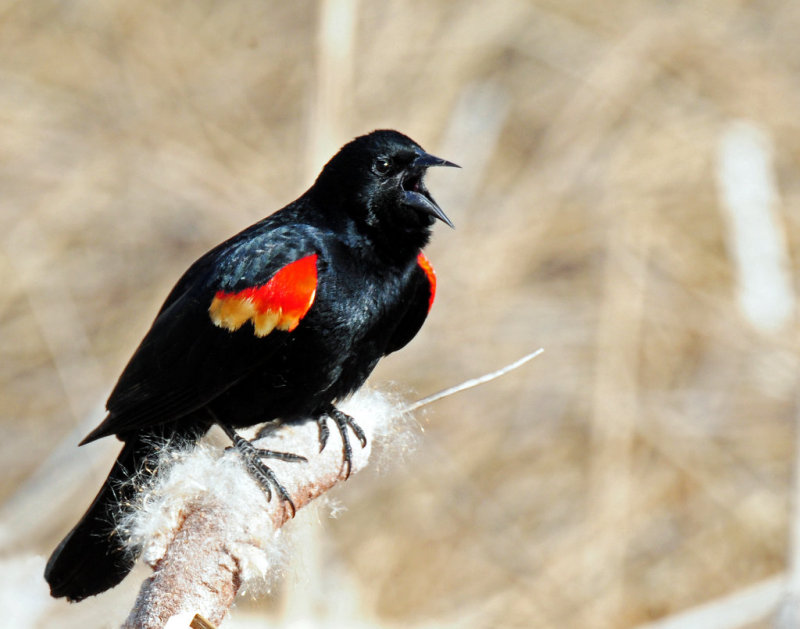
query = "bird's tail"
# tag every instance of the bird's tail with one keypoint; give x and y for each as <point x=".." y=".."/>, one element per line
<point x="93" y="558"/>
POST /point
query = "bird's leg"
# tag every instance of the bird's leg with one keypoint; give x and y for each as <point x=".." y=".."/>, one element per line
<point x="263" y="475"/>
<point x="342" y="420"/>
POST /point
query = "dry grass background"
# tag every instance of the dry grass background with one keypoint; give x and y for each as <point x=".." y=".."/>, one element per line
<point x="642" y="466"/>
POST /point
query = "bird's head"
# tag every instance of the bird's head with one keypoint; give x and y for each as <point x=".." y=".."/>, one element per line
<point x="379" y="179"/>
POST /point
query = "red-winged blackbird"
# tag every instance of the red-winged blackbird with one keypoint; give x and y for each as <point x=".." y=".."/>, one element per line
<point x="277" y="323"/>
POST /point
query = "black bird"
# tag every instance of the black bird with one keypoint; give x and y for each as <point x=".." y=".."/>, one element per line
<point x="279" y="322"/>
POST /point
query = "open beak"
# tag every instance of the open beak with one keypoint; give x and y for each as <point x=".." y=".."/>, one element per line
<point x="417" y="196"/>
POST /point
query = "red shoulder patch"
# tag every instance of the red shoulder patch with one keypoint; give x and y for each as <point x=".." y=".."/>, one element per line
<point x="280" y="303"/>
<point x="425" y="265"/>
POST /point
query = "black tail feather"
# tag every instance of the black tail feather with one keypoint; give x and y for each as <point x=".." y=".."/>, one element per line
<point x="92" y="558"/>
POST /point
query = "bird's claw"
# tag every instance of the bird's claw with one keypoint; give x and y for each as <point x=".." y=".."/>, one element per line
<point x="324" y="431"/>
<point x="281" y="456"/>
<point x="343" y="420"/>
<point x="263" y="475"/>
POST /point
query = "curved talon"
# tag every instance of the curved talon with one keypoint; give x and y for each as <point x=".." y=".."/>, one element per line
<point x="343" y="420"/>
<point x="324" y="431"/>
<point x="362" y="438"/>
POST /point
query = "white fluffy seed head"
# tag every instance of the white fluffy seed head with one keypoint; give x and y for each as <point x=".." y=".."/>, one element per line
<point x="212" y="478"/>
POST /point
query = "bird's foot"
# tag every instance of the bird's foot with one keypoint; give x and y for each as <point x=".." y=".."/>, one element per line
<point x="343" y="420"/>
<point x="263" y="475"/>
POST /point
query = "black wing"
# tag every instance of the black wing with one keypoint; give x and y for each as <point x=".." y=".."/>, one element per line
<point x="187" y="358"/>
<point x="419" y="294"/>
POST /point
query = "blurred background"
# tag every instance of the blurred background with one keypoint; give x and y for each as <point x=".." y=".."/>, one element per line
<point x="629" y="201"/>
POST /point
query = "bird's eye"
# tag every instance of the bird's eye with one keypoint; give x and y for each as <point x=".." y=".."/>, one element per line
<point x="382" y="165"/>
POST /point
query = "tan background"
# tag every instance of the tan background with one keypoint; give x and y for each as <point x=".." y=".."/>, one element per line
<point x="641" y="466"/>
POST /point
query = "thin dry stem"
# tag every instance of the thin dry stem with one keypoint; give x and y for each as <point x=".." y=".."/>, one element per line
<point x="473" y="382"/>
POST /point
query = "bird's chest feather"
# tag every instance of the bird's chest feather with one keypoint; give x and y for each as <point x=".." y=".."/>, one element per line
<point x="356" y="309"/>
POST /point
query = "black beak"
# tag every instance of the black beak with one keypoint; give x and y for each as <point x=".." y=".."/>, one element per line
<point x="426" y="160"/>
<point x="418" y="197"/>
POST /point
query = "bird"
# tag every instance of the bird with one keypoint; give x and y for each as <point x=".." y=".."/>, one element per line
<point x="279" y="323"/>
